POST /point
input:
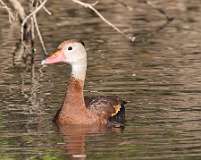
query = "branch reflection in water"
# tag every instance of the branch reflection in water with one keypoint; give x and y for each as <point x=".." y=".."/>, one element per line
<point x="30" y="88"/>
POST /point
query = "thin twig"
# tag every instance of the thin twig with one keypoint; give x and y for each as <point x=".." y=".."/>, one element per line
<point x="159" y="10"/>
<point x="39" y="34"/>
<point x="91" y="6"/>
<point x="124" y="5"/>
<point x="46" y="10"/>
<point x="11" y="16"/>
<point x="30" y="15"/>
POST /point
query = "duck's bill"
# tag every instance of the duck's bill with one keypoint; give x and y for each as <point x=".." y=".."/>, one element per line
<point x="57" y="57"/>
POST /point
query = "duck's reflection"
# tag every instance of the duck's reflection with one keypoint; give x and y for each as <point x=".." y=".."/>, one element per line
<point x="75" y="138"/>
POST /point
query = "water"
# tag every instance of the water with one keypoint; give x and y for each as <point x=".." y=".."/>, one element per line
<point x="159" y="75"/>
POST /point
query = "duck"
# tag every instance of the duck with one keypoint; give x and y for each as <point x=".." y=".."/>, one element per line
<point x="78" y="109"/>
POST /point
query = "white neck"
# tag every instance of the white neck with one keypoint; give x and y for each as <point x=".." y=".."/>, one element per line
<point x="79" y="69"/>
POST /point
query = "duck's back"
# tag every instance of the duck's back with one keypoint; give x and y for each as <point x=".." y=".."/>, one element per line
<point x="111" y="108"/>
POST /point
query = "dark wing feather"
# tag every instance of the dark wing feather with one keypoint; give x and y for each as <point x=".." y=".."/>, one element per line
<point x="111" y="108"/>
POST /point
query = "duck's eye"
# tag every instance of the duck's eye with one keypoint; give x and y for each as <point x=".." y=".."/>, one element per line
<point x="70" y="48"/>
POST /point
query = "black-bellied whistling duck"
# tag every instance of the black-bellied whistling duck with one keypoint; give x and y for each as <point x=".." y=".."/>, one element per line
<point x="76" y="108"/>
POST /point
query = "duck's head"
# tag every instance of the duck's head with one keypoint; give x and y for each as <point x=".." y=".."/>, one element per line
<point x="70" y="51"/>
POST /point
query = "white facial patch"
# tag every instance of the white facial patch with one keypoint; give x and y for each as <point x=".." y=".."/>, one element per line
<point x="76" y="55"/>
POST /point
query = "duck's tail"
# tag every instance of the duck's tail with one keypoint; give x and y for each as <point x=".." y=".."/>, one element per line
<point x="118" y="119"/>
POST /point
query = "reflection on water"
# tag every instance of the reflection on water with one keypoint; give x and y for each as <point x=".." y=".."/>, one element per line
<point x="75" y="138"/>
<point x="159" y="75"/>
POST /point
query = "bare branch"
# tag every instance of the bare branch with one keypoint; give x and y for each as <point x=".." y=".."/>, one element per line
<point x="30" y="15"/>
<point x="91" y="6"/>
<point x="159" y="10"/>
<point x="45" y="9"/>
<point x="18" y="7"/>
<point x="125" y="5"/>
<point x="39" y="34"/>
<point x="11" y="16"/>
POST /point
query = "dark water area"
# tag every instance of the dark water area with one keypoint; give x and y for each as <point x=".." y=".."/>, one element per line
<point x="159" y="75"/>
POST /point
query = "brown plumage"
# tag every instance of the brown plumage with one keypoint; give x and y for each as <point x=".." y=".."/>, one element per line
<point x="76" y="108"/>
